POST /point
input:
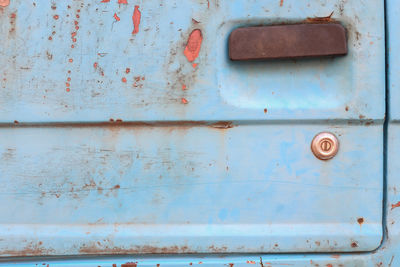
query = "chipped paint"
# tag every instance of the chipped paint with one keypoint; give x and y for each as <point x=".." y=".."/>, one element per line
<point x="4" y="3"/>
<point x="116" y="17"/>
<point x="193" y="45"/>
<point x="396" y="205"/>
<point x="136" y="20"/>
<point x="123" y="2"/>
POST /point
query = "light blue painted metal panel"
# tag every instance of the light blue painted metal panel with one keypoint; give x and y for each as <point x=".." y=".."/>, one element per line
<point x="206" y="158"/>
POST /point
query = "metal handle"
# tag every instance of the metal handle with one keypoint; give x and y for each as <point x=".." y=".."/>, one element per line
<point x="288" y="41"/>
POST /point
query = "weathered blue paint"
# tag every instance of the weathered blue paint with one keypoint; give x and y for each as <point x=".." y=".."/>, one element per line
<point x="222" y="166"/>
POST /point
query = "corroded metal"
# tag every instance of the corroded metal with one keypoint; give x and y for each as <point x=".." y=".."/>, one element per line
<point x="288" y="41"/>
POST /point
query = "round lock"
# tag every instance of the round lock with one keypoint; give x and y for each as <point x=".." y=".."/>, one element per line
<point x="325" y="145"/>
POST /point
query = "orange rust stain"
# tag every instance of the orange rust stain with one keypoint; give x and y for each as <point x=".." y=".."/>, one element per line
<point x="184" y="101"/>
<point x="77" y="16"/>
<point x="123" y="2"/>
<point x="251" y="262"/>
<point x="329" y="265"/>
<point x="127" y="70"/>
<point x="70" y="60"/>
<point x="116" y="17"/>
<point x="50" y="38"/>
<point x="194" y="65"/>
<point x="69" y="79"/>
<point x="123" y="80"/>
<point x="105" y="1"/>
<point x="136" y="20"/>
<point x="281" y="3"/>
<point x="4" y="3"/>
<point x="360" y="221"/>
<point x="68" y="90"/>
<point x="200" y="262"/>
<point x="67" y="85"/>
<point x="354" y="245"/>
<point x="265" y="110"/>
<point x="56" y="17"/>
<point x="396" y="205"/>
<point x="326" y="19"/>
<point x="222" y="125"/>
<point x="129" y="264"/>
<point x="193" y="45"/>
<point x="72" y="46"/>
<point x="95" y="65"/>
<point x="183" y="87"/>
<point x="208" y="3"/>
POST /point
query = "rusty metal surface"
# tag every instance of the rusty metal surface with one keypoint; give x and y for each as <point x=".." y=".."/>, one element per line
<point x="287" y="41"/>
<point x="126" y="129"/>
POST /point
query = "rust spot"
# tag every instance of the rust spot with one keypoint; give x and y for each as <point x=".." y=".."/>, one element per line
<point x="4" y="3"/>
<point x="16" y="122"/>
<point x="114" y="265"/>
<point x="265" y="110"/>
<point x="361" y="117"/>
<point x="136" y="20"/>
<point x="123" y="2"/>
<point x="346" y="108"/>
<point x="396" y="205"/>
<point x="183" y="87"/>
<point x="360" y="221"/>
<point x="127" y="70"/>
<point x="68" y="90"/>
<point x="123" y="79"/>
<point x="251" y="262"/>
<point x="326" y="19"/>
<point x="194" y="65"/>
<point x="193" y="45"/>
<point x="116" y="17"/>
<point x="70" y="60"/>
<point x="184" y="101"/>
<point x="56" y="17"/>
<point x="354" y="244"/>
<point x="329" y="265"/>
<point x="231" y="264"/>
<point x="117" y="186"/>
<point x="129" y="264"/>
<point x="335" y="256"/>
<point x="281" y="3"/>
<point x="105" y="1"/>
<point x="222" y="125"/>
<point x="95" y="65"/>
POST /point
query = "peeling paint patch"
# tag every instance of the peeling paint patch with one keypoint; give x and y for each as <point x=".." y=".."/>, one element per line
<point x="193" y="45"/>
<point x="123" y="2"/>
<point x="116" y="17"/>
<point x="396" y="205"/>
<point x="136" y="20"/>
<point x="4" y="3"/>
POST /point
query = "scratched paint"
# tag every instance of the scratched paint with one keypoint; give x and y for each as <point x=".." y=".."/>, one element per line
<point x="136" y="20"/>
<point x="193" y="45"/>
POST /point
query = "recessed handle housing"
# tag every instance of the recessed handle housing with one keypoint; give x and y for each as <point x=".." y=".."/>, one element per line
<point x="287" y="41"/>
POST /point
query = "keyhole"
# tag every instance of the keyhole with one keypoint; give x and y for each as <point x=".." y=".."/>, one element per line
<point x="326" y="145"/>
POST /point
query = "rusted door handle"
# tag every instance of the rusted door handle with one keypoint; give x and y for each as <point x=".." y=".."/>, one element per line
<point x="287" y="41"/>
